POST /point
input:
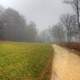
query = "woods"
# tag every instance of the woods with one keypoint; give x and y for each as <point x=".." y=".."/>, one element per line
<point x="68" y="27"/>
<point x="15" y="27"/>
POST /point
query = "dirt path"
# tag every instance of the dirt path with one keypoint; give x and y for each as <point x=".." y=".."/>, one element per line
<point x="66" y="64"/>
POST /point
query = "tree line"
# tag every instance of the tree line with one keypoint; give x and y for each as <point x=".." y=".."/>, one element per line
<point x="14" y="27"/>
<point x="68" y="27"/>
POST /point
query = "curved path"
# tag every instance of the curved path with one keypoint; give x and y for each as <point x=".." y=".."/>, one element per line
<point x="66" y="64"/>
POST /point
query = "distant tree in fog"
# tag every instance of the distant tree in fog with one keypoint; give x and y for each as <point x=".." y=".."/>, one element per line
<point x="58" y="33"/>
<point x="15" y="28"/>
<point x="31" y="32"/>
<point x="1" y="23"/>
<point x="13" y="25"/>
<point x="45" y="36"/>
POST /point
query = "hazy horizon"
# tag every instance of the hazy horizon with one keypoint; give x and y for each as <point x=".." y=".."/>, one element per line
<point x="43" y="13"/>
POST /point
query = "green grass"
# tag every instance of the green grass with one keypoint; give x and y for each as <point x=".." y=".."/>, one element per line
<point x="23" y="61"/>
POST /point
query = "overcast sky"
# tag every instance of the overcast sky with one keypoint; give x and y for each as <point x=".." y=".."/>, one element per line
<point x="42" y="12"/>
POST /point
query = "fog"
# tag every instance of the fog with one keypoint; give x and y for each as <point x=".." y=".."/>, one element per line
<point x="42" y="12"/>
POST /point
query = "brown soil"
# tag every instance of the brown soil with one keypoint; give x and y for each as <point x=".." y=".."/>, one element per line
<point x="75" y="46"/>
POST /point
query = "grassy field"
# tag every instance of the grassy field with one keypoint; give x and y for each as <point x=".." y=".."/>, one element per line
<point x="23" y="61"/>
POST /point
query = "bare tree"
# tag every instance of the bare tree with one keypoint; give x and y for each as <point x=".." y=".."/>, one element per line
<point x="69" y="22"/>
<point x="76" y="6"/>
